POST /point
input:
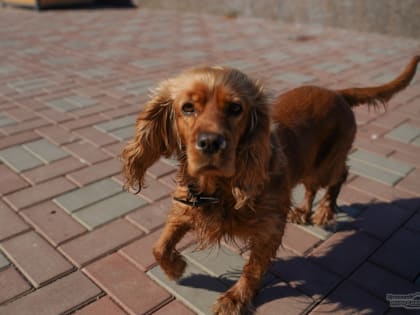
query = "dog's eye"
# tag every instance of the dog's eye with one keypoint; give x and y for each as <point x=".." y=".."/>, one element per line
<point x="234" y="109"/>
<point x="188" y="108"/>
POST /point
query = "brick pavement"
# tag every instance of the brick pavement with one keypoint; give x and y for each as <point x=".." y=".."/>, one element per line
<point x="71" y="84"/>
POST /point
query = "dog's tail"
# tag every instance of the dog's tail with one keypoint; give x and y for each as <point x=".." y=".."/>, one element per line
<point x="381" y="94"/>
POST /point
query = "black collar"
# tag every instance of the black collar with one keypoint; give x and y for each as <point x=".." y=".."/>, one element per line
<point x="195" y="199"/>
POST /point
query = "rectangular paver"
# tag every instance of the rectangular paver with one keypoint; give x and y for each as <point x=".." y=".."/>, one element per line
<point x="10" y="181"/>
<point x="99" y="242"/>
<point x="117" y="123"/>
<point x="366" y="170"/>
<point x="10" y="222"/>
<point x="11" y="284"/>
<point x="58" y="297"/>
<point x="197" y="289"/>
<point x="108" y="209"/>
<point x="19" y="159"/>
<point x="3" y="261"/>
<point x="127" y="284"/>
<point x="35" y="258"/>
<point x="45" y="150"/>
<point x="88" y="195"/>
<point x="404" y="133"/>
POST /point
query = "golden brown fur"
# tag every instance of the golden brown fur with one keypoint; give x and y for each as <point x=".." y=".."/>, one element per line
<point x="217" y="123"/>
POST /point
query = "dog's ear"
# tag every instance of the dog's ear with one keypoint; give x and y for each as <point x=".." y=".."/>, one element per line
<point x="155" y="135"/>
<point x="254" y="153"/>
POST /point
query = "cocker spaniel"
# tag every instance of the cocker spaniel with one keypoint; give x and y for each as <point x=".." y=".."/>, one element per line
<point x="239" y="157"/>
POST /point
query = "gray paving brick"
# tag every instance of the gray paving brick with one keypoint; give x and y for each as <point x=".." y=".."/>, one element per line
<point x="382" y="162"/>
<point x="294" y="77"/>
<point x="108" y="209"/>
<point x="416" y="141"/>
<point x="46" y="151"/>
<point x="19" y="159"/>
<point x="197" y="289"/>
<point x="404" y="133"/>
<point x="276" y="56"/>
<point x="88" y="195"/>
<point x="239" y="64"/>
<point x="222" y="263"/>
<point x="6" y="120"/>
<point x="367" y="170"/>
<point x="7" y="69"/>
<point x="3" y="261"/>
<point x="148" y="63"/>
<point x="360" y="58"/>
<point x="136" y="87"/>
<point x="117" y="123"/>
<point x="63" y="105"/>
<point x="81" y="101"/>
<point x="31" y="84"/>
<point x="332" y="67"/>
<point x="124" y="133"/>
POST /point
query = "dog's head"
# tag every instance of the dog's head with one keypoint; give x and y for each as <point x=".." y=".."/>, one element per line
<point x="215" y="118"/>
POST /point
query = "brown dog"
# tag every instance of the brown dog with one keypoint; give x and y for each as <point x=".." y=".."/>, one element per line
<point x="238" y="162"/>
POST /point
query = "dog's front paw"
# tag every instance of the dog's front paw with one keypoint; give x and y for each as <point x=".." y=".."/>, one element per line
<point x="323" y="215"/>
<point x="229" y="304"/>
<point x="299" y="216"/>
<point x="175" y="267"/>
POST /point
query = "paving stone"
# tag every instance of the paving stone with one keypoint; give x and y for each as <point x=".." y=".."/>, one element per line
<point x="96" y="172"/>
<point x="10" y="181"/>
<point x="94" y="136"/>
<point x="19" y="159"/>
<point x="298" y="239"/>
<point x="344" y="251"/>
<point x="400" y="254"/>
<point x="151" y="217"/>
<point x="124" y="133"/>
<point x="125" y="284"/>
<point x="52" y="222"/>
<point x="332" y="67"/>
<point x="3" y="261"/>
<point x="280" y="296"/>
<point x="104" y="305"/>
<point x="86" y="152"/>
<point x="55" y="169"/>
<point x="159" y="169"/>
<point x="59" y="297"/>
<point x="19" y="138"/>
<point x="83" y="122"/>
<point x="99" y="242"/>
<point x="381" y="282"/>
<point x="378" y="161"/>
<point x="5" y="120"/>
<point x="294" y="77"/>
<point x="57" y="135"/>
<point x="174" y="308"/>
<point x="117" y="123"/>
<point x="366" y="170"/>
<point x="88" y="195"/>
<point x="108" y="209"/>
<point x="63" y="105"/>
<point x="10" y="223"/>
<point x="381" y="220"/>
<point x="46" y="190"/>
<point x="411" y="183"/>
<point x="404" y="133"/>
<point x="11" y="284"/>
<point x="414" y="223"/>
<point x="81" y="101"/>
<point x="353" y="197"/>
<point x="35" y="258"/>
<point x="303" y="274"/>
<point x="196" y="289"/>
<point x="349" y="299"/>
<point x="154" y="190"/>
<point x="27" y="126"/>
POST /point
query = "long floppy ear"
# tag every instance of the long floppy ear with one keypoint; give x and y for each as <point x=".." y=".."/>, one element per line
<point x="253" y="154"/>
<point x="155" y="135"/>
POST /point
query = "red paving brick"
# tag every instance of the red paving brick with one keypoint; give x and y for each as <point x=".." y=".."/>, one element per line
<point x="10" y="181"/>
<point x="93" y="173"/>
<point x="102" y="306"/>
<point x="53" y="222"/>
<point x="11" y="284"/>
<point x="59" y="297"/>
<point x="125" y="283"/>
<point x="10" y="223"/>
<point x="55" y="169"/>
<point x="99" y="242"/>
<point x="347" y="273"/>
<point x="35" y="258"/>
<point x="41" y="192"/>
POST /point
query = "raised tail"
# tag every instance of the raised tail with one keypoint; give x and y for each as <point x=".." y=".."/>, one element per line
<point x="381" y="94"/>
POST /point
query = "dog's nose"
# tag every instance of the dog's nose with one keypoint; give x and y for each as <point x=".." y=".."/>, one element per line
<point x="210" y="143"/>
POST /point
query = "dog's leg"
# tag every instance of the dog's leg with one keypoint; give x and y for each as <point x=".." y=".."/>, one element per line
<point x="164" y="250"/>
<point x="326" y="208"/>
<point x="302" y="214"/>
<point x="238" y="299"/>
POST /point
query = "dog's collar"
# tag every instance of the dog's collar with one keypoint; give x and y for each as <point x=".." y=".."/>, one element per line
<point x="195" y="199"/>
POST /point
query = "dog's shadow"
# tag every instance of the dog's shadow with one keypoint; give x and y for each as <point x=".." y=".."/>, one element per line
<point x="335" y="275"/>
